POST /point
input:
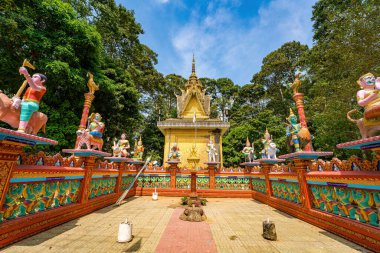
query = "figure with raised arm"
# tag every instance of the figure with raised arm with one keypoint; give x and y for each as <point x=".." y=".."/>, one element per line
<point x="32" y="97"/>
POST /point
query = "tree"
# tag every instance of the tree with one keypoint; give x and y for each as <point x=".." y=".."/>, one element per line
<point x="277" y="71"/>
<point x="223" y="93"/>
<point x="346" y="36"/>
<point x="60" y="45"/>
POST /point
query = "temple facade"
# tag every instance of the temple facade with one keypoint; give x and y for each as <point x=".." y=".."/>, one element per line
<point x="193" y="129"/>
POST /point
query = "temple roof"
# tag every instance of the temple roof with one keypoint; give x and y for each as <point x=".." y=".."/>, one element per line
<point x="193" y="98"/>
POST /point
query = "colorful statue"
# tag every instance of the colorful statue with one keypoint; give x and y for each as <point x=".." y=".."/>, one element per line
<point x="270" y="148"/>
<point x="298" y="136"/>
<point x="27" y="118"/>
<point x="369" y="98"/>
<point x="121" y="147"/>
<point x="248" y="151"/>
<point x="296" y="84"/>
<point x="212" y="152"/>
<point x="96" y="127"/>
<point x="138" y="150"/>
<point x="92" y="136"/>
<point x="174" y="154"/>
<point x="32" y="97"/>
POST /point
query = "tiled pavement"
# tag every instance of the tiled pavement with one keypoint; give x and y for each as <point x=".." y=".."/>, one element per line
<point x="235" y="224"/>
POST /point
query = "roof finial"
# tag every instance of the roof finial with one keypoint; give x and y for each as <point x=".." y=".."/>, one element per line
<point x="193" y="66"/>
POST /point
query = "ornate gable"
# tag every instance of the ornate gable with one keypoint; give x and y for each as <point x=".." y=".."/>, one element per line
<point x="193" y="99"/>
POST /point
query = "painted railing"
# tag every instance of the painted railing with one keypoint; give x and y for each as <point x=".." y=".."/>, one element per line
<point x="340" y="196"/>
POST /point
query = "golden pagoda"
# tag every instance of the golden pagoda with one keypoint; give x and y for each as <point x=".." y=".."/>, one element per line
<point x="193" y="129"/>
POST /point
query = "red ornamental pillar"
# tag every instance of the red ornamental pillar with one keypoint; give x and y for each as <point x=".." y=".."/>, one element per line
<point x="120" y="167"/>
<point x="88" y="98"/>
<point x="173" y="174"/>
<point x="211" y="170"/>
<point x="193" y="193"/>
<point x="298" y="98"/>
<point x="8" y="158"/>
<point x="266" y="169"/>
<point x="300" y="166"/>
<point x="89" y="164"/>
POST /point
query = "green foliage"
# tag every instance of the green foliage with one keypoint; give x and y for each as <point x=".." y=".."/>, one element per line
<point x="203" y="202"/>
<point x="184" y="201"/>
<point x="66" y="39"/>
<point x="346" y="35"/>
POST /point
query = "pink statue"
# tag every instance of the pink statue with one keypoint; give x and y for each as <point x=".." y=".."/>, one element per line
<point x="92" y="136"/>
<point x="369" y="98"/>
<point x="27" y="118"/>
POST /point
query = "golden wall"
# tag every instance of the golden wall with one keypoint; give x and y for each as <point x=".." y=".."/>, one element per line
<point x="185" y="140"/>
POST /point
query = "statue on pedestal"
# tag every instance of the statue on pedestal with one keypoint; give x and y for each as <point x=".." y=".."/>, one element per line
<point x="369" y="98"/>
<point x="92" y="136"/>
<point x="174" y="154"/>
<point x="270" y="149"/>
<point x="248" y="151"/>
<point x="138" y="150"/>
<point x="212" y="152"/>
<point x="298" y="136"/>
<point x="121" y="147"/>
<point x="26" y="118"/>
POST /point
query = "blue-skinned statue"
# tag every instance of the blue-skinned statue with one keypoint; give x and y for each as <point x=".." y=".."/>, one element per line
<point x="297" y="136"/>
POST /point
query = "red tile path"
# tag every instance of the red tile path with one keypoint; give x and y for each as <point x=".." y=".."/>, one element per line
<point x="184" y="236"/>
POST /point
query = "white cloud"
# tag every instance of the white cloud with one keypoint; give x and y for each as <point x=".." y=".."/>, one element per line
<point x="162" y="1"/>
<point x="223" y="47"/>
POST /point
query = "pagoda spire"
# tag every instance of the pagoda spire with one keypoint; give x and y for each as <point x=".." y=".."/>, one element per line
<point x="193" y="67"/>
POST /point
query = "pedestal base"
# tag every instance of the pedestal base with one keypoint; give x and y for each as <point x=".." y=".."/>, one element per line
<point x="193" y="214"/>
<point x="305" y="155"/>
<point x="367" y="143"/>
<point x="86" y="152"/>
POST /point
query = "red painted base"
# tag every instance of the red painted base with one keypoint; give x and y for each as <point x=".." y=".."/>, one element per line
<point x="16" y="230"/>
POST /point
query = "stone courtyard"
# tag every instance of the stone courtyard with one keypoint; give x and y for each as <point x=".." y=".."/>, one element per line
<point x="233" y="225"/>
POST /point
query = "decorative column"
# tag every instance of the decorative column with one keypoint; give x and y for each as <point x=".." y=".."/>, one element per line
<point x="266" y="165"/>
<point x="9" y="152"/>
<point x="298" y="99"/>
<point x="11" y="145"/>
<point x="193" y="193"/>
<point x="88" y="98"/>
<point x="211" y="166"/>
<point x="300" y="166"/>
<point x="248" y="169"/>
<point x="119" y="163"/>
<point x="89" y="164"/>
<point x="302" y="160"/>
<point x="89" y="156"/>
<point x="173" y="165"/>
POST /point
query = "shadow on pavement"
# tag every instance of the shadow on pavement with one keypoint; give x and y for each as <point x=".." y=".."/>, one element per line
<point x="134" y="247"/>
<point x="113" y="206"/>
<point x="344" y="241"/>
<point x="41" y="237"/>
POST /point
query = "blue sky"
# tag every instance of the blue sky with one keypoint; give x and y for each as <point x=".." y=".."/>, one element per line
<point x="228" y="37"/>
